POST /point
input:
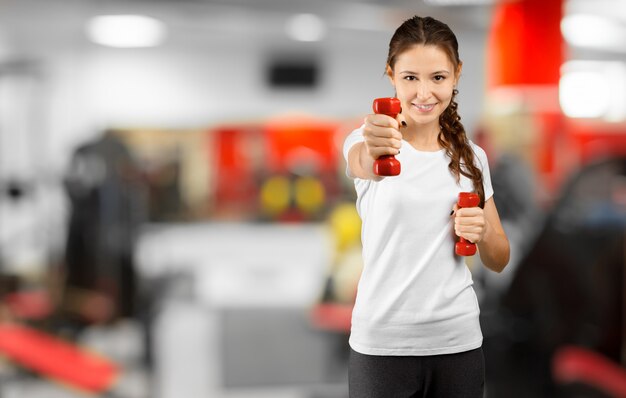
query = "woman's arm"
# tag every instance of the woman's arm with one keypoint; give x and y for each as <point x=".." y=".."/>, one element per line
<point x="360" y="163"/>
<point x="483" y="227"/>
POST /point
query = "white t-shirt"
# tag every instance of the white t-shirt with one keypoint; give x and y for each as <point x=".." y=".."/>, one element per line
<point x="415" y="295"/>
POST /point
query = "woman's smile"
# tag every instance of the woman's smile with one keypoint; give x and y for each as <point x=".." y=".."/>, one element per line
<point x="424" y="108"/>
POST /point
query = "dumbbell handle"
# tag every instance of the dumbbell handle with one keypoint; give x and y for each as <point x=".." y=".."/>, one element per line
<point x="464" y="247"/>
<point x="387" y="165"/>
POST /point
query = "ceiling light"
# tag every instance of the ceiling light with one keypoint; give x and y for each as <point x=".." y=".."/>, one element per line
<point x="593" y="89"/>
<point x="305" y="27"/>
<point x="593" y="31"/>
<point x="126" y="31"/>
<point x="583" y="94"/>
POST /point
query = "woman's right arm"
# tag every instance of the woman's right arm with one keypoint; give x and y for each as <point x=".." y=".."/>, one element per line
<point x="381" y="137"/>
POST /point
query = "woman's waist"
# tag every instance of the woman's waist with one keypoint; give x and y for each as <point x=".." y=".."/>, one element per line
<point x="419" y="304"/>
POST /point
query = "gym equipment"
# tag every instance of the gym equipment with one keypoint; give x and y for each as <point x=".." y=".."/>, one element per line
<point x="569" y="281"/>
<point x="31" y="305"/>
<point x="57" y="359"/>
<point x="387" y="165"/>
<point x="37" y="304"/>
<point x="50" y="356"/>
<point x="578" y="366"/>
<point x="334" y="317"/>
<point x="464" y="247"/>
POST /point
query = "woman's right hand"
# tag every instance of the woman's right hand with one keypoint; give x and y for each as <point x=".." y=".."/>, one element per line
<point x="382" y="135"/>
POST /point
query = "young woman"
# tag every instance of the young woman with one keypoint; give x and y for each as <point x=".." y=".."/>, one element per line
<point x="415" y="328"/>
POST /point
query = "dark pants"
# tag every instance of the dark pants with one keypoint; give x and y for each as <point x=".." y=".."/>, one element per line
<point x="459" y="375"/>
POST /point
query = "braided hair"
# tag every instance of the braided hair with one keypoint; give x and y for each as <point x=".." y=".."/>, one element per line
<point x="452" y="137"/>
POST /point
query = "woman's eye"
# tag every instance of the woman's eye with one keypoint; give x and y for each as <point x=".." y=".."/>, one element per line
<point x="439" y="78"/>
<point x="409" y="78"/>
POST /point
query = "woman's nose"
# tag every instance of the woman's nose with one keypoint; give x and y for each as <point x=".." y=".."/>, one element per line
<point x="423" y="91"/>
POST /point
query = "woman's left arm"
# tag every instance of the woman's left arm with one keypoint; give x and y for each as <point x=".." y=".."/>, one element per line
<point x="483" y="227"/>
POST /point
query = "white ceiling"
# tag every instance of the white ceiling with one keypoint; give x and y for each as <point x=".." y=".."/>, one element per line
<point x="28" y="26"/>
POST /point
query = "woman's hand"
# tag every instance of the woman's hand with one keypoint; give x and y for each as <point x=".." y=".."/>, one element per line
<point x="484" y="228"/>
<point x="470" y="223"/>
<point x="382" y="135"/>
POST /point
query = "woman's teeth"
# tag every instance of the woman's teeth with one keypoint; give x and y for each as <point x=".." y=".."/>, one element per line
<point x="425" y="107"/>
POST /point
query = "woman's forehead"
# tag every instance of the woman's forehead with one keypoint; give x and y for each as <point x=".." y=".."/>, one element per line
<point x="424" y="55"/>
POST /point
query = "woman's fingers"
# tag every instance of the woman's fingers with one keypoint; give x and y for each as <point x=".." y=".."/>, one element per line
<point x="383" y="132"/>
<point x="378" y="151"/>
<point x="381" y="135"/>
<point x="401" y="121"/>
<point x="381" y="120"/>
<point x="469" y="223"/>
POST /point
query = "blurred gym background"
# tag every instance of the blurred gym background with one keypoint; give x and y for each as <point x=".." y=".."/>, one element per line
<point x="175" y="219"/>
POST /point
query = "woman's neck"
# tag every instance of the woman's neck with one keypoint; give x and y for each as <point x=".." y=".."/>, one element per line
<point x="424" y="139"/>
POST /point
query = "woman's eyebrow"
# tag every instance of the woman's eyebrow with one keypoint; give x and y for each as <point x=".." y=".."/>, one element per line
<point x="439" y="72"/>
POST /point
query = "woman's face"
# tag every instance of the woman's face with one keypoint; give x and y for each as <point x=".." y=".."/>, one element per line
<point x="424" y="78"/>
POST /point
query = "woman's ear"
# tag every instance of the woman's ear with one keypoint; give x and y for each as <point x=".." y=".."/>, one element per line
<point x="457" y="75"/>
<point x="389" y="73"/>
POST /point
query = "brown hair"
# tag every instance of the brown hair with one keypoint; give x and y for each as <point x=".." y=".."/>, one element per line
<point x="429" y="31"/>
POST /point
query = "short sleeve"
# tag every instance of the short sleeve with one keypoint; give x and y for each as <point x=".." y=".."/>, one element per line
<point x="354" y="137"/>
<point x="483" y="164"/>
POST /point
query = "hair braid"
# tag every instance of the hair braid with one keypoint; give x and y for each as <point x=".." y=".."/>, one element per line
<point x="454" y="140"/>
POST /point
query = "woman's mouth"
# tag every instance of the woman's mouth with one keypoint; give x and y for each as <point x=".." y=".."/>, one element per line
<point x="424" y="107"/>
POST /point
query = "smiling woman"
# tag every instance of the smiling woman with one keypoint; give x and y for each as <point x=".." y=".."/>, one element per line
<point x="415" y="329"/>
<point x="424" y="79"/>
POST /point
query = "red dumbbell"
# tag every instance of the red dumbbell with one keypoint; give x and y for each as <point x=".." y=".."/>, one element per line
<point x="387" y="165"/>
<point x="464" y="247"/>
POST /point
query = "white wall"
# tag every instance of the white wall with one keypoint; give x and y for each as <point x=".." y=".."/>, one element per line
<point x="197" y="88"/>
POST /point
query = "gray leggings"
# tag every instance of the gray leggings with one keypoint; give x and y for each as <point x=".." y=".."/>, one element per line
<point x="459" y="375"/>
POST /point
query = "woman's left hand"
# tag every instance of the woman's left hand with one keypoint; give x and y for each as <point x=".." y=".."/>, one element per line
<point x="483" y="226"/>
<point x="469" y="223"/>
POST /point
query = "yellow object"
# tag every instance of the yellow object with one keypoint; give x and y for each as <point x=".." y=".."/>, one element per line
<point x="309" y="194"/>
<point x="345" y="224"/>
<point x="275" y="195"/>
